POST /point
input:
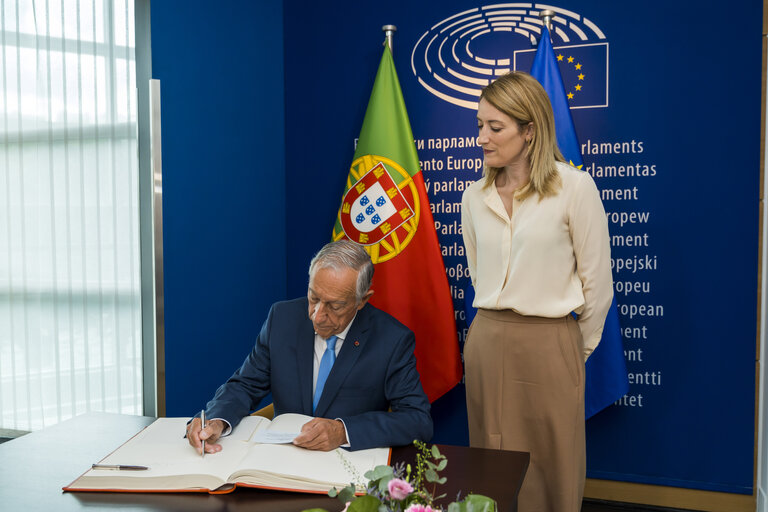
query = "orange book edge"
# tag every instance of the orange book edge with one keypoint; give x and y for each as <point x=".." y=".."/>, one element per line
<point x="218" y="490"/>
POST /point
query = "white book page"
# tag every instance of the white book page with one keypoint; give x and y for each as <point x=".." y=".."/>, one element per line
<point x="164" y="449"/>
<point x="282" y="430"/>
<point x="312" y="465"/>
<point x="248" y="427"/>
<point x="289" y="422"/>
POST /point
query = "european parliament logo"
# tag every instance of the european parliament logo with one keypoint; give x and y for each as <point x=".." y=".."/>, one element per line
<point x="463" y="53"/>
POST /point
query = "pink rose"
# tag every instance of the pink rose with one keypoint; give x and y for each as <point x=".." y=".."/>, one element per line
<point x="399" y="489"/>
<point x="416" y="507"/>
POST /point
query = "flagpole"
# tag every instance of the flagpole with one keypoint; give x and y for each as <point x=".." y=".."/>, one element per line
<point x="389" y="32"/>
<point x="546" y="17"/>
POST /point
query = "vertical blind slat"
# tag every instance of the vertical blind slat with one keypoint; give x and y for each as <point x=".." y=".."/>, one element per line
<point x="22" y="232"/>
<point x="56" y="338"/>
<point x="4" y="74"/>
<point x="97" y="217"/>
<point x="68" y="216"/>
<point x="132" y="186"/>
<point x="109" y="21"/>
<point x="7" y="159"/>
<point x="83" y="194"/>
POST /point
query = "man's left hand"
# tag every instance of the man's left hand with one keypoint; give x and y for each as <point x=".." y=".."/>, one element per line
<point x="321" y="434"/>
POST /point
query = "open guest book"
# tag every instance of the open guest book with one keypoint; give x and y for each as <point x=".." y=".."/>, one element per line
<point x="250" y="457"/>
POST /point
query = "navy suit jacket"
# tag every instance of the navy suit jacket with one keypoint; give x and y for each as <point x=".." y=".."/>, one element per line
<point x="375" y="371"/>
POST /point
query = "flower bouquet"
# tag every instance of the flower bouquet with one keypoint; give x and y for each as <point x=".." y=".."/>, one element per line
<point x="399" y="488"/>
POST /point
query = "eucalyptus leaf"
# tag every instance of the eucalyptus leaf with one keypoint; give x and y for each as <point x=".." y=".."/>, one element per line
<point x="442" y="464"/>
<point x="479" y="503"/>
<point x="333" y="492"/>
<point x="379" y="472"/>
<point x="431" y="475"/>
<point x="347" y="494"/>
<point x="384" y="483"/>
<point x="436" y="452"/>
<point x="463" y="506"/>
<point x="365" y="503"/>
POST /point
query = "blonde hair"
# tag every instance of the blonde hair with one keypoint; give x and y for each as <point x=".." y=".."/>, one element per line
<point x="521" y="97"/>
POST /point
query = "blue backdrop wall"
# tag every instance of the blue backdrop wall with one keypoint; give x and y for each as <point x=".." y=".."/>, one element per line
<point x="669" y="122"/>
<point x="221" y="72"/>
<point x="667" y="110"/>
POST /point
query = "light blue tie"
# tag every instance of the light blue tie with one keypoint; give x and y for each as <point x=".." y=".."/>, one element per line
<point x="329" y="356"/>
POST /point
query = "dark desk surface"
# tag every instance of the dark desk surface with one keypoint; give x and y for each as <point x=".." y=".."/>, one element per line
<point x="35" y="467"/>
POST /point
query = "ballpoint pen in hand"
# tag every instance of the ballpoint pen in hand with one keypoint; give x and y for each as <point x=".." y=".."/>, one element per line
<point x="202" y="418"/>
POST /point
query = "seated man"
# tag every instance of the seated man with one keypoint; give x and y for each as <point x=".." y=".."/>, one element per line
<point x="372" y="396"/>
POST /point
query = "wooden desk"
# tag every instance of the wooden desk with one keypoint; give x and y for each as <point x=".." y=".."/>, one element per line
<point x="35" y="467"/>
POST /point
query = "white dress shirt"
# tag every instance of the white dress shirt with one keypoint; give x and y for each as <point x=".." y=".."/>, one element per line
<point x="320" y="346"/>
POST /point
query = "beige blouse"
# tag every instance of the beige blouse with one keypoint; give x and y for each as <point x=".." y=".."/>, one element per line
<point x="550" y="258"/>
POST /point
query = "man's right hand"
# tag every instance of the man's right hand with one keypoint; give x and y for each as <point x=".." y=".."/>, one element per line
<point x="210" y="434"/>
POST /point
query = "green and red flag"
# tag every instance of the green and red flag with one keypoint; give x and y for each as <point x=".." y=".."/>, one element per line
<point x="385" y="209"/>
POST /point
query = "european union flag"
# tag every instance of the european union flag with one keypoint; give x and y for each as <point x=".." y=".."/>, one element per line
<point x="546" y="71"/>
<point x="583" y="68"/>
<point x="606" y="370"/>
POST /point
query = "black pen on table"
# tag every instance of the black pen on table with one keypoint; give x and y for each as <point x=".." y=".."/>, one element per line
<point x="202" y="418"/>
<point x="119" y="467"/>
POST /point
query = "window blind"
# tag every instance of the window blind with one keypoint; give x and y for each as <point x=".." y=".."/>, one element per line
<point x="70" y="325"/>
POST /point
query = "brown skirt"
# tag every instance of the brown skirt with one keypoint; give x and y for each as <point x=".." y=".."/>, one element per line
<point x="525" y="392"/>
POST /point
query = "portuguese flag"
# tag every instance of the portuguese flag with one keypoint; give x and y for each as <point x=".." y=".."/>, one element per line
<point x="385" y="209"/>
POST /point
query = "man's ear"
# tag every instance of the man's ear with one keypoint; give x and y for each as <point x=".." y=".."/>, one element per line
<point x="365" y="299"/>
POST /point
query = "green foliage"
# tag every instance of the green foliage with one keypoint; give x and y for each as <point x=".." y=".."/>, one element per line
<point x="473" y="503"/>
<point x="380" y="477"/>
<point x="365" y="503"/>
<point x="346" y="494"/>
<point x="379" y="472"/>
<point x="429" y="463"/>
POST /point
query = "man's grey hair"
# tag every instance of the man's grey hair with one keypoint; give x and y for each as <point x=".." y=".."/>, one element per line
<point x="345" y="254"/>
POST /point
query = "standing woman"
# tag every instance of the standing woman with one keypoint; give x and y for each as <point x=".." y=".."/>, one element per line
<point x="537" y="246"/>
